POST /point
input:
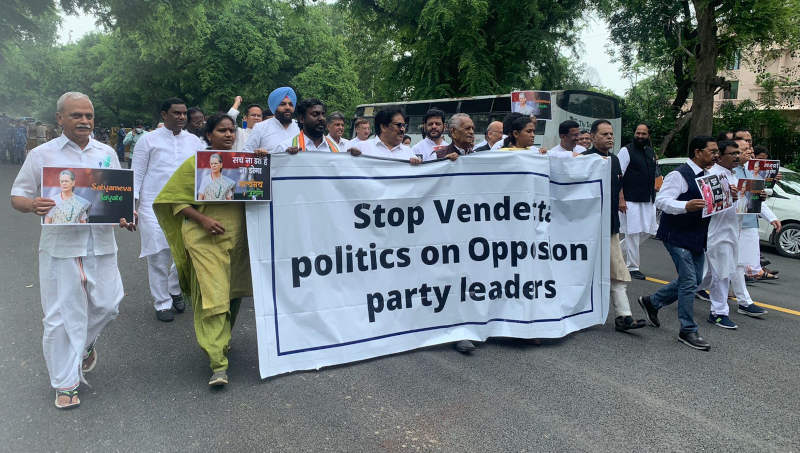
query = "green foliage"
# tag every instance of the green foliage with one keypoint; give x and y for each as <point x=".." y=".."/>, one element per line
<point x="446" y="48"/>
<point x="666" y="36"/>
<point x="205" y="54"/>
<point x="769" y="127"/>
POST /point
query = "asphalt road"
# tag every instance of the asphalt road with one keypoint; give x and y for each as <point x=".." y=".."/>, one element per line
<point x="596" y="390"/>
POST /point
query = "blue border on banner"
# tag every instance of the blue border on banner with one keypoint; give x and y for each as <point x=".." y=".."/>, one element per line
<point x="467" y="323"/>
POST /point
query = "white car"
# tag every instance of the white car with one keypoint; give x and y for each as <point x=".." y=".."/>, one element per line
<point x="784" y="202"/>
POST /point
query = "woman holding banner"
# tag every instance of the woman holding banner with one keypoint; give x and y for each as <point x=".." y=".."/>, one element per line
<point x="209" y="244"/>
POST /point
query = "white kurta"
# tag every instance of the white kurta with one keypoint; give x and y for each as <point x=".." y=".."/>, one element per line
<point x="284" y="145"/>
<point x="723" y="234"/>
<point x="79" y="279"/>
<point x="156" y="157"/>
<point x="641" y="216"/>
<point x="427" y="149"/>
<point x="342" y="144"/>
<point x="559" y="151"/>
<point x="267" y="134"/>
<point x="376" y="148"/>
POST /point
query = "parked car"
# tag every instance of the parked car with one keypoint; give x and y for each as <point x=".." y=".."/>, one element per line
<point x="784" y="202"/>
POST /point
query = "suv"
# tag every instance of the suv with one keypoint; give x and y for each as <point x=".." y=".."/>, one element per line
<point x="784" y="202"/>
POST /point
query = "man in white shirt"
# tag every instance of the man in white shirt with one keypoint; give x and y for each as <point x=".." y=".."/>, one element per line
<point x="638" y="162"/>
<point x="336" y="130"/>
<point x="311" y="120"/>
<point x="684" y="234"/>
<point x="252" y="115"/>
<point x="79" y="279"/>
<point x="269" y="133"/>
<point x="433" y="122"/>
<point x="569" y="131"/>
<point x="362" y="131"/>
<point x="156" y="157"/>
<point x="723" y="249"/>
<point x="388" y="144"/>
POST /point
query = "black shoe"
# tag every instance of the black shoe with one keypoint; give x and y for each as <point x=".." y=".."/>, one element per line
<point x="703" y="295"/>
<point x="178" y="304"/>
<point x="649" y="310"/>
<point x="165" y="315"/>
<point x="638" y="275"/>
<point x="623" y="323"/>
<point x="693" y="340"/>
<point x="464" y="346"/>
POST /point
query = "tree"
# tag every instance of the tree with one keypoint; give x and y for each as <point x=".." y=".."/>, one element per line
<point x="446" y="48"/>
<point x="692" y="39"/>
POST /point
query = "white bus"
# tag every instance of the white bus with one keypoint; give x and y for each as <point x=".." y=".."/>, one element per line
<point x="579" y="105"/>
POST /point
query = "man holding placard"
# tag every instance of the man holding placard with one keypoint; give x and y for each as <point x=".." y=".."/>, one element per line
<point x="684" y="232"/>
<point x="79" y="279"/>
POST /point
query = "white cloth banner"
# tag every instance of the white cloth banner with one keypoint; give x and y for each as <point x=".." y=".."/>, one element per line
<point x="358" y="257"/>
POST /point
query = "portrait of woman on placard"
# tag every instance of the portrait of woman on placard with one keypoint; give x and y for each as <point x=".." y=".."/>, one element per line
<point x="69" y="208"/>
<point x="216" y="186"/>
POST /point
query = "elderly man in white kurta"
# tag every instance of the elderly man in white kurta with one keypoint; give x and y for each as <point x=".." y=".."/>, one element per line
<point x="79" y="279"/>
<point x="156" y="157"/>
<point x="723" y="250"/>
<point x="638" y="221"/>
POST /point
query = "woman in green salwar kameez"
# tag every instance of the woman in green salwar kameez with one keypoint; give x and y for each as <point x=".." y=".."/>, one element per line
<point x="209" y="245"/>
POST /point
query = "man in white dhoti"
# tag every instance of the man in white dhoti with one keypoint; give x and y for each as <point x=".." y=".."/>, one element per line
<point x="750" y="244"/>
<point x="156" y="157"/>
<point x="267" y="134"/>
<point x="638" y="221"/>
<point x="79" y="279"/>
<point x="723" y="250"/>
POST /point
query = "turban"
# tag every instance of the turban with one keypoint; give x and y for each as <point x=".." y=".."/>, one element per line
<point x="279" y="95"/>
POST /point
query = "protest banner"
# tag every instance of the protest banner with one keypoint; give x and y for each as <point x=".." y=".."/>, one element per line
<point x="357" y="257"/>
<point x="231" y="176"/>
<point x="87" y="196"/>
<point x="716" y="192"/>
<point x="535" y="103"/>
<point x="764" y="169"/>
<point x="749" y="195"/>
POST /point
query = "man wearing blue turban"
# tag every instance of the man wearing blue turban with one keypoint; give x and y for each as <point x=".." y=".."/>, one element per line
<point x="267" y="134"/>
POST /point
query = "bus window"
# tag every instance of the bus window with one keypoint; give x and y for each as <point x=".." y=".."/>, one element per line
<point x="540" y="127"/>
<point x="414" y="124"/>
<point x="416" y="109"/>
<point x="471" y="106"/>
<point x="502" y="104"/>
<point x="481" y="121"/>
<point x="588" y="104"/>
<point x="448" y="107"/>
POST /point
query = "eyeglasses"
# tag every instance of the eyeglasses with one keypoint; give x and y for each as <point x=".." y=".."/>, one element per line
<point x="400" y="125"/>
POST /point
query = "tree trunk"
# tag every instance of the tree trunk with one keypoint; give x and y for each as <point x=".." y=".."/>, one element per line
<point x="705" y="77"/>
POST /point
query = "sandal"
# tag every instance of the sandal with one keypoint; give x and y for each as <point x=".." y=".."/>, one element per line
<point x="71" y="398"/>
<point x="766" y="275"/>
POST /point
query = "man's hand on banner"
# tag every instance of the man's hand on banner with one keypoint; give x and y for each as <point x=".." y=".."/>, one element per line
<point x="260" y="152"/>
<point x="292" y="150"/>
<point x="415" y="161"/>
<point x="452" y="156"/>
<point x="354" y="151"/>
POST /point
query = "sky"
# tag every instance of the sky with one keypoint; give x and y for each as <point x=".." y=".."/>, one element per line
<point x="594" y="40"/>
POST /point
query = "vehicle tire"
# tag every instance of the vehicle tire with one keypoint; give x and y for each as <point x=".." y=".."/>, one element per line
<point x="787" y="242"/>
